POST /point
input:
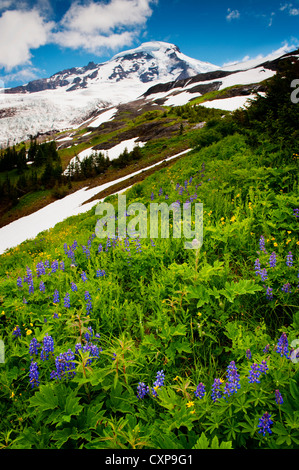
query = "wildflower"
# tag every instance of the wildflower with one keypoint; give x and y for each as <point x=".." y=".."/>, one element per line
<point x="33" y="347"/>
<point x="289" y="261"/>
<point x="142" y="390"/>
<point x="114" y="356"/>
<point x="248" y="354"/>
<point x="257" y="267"/>
<point x="269" y="293"/>
<point x="66" y="300"/>
<point x="48" y="347"/>
<point x="100" y="273"/>
<point x="262" y="244"/>
<point x="17" y="332"/>
<point x="278" y="397"/>
<point x="56" y="297"/>
<point x="296" y="213"/>
<point x="19" y="282"/>
<point x="100" y="248"/>
<point x="31" y="288"/>
<point x="54" y="266"/>
<point x="160" y="192"/>
<point x="83" y="276"/>
<point x="265" y="423"/>
<point x="61" y="265"/>
<point x="55" y="315"/>
<point x="34" y="375"/>
<point x="74" y="287"/>
<point x="159" y="382"/>
<point x="42" y="287"/>
<point x="264" y="274"/>
<point x="152" y="196"/>
<point x="65" y="366"/>
<point x="266" y="349"/>
<point x="233" y="378"/>
<point x="263" y="367"/>
<point x="254" y="374"/>
<point x="28" y="332"/>
<point x="200" y="390"/>
<point x="286" y="288"/>
<point x="272" y="259"/>
<point x="40" y="269"/>
<point x="283" y="346"/>
<point x="190" y="404"/>
<point x="216" y="393"/>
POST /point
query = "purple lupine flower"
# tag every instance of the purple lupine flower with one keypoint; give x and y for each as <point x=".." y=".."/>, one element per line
<point x="34" y="374"/>
<point x="289" y="261"/>
<point x="159" y="382"/>
<point x="286" y="288"/>
<point x="83" y="276"/>
<point x="33" y="347"/>
<point x="296" y="213"/>
<point x="67" y="300"/>
<point x="54" y="266"/>
<point x="142" y="390"/>
<point x="269" y="293"/>
<point x="233" y="378"/>
<point x="262" y="244"/>
<point x="65" y="366"/>
<point x="74" y="287"/>
<point x="257" y="267"/>
<point x="283" y="346"/>
<point x="216" y="393"/>
<point x="19" y="282"/>
<point x="248" y="353"/>
<point x="56" y="297"/>
<point x="263" y="367"/>
<point x="40" y="269"/>
<point x="48" y="347"/>
<point x="100" y="273"/>
<point x="62" y="267"/>
<point x="200" y="390"/>
<point x="278" y="397"/>
<point x="160" y="192"/>
<point x="266" y="349"/>
<point x="55" y="315"/>
<point x="264" y="274"/>
<point x="254" y="373"/>
<point x="265" y="423"/>
<point x="152" y="196"/>
<point x="42" y="286"/>
<point x="17" y="332"/>
<point x="272" y="259"/>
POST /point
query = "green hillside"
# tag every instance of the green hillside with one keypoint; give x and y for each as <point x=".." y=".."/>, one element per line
<point x="139" y="343"/>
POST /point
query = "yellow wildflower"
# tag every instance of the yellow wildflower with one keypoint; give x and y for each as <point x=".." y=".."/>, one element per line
<point x="190" y="403"/>
<point x="28" y="332"/>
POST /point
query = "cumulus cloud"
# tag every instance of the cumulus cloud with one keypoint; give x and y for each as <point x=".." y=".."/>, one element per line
<point x="21" y="31"/>
<point x="96" y="27"/>
<point x="290" y="9"/>
<point x="232" y="14"/>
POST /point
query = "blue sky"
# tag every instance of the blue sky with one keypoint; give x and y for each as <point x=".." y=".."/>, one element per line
<point x="39" y="38"/>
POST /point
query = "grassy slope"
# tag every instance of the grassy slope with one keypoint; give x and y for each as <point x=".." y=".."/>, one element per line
<point x="161" y="308"/>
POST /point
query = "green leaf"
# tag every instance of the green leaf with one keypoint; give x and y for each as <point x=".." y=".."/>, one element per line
<point x="44" y="399"/>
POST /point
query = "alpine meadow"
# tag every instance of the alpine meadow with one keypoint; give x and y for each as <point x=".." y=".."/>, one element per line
<point x="131" y="342"/>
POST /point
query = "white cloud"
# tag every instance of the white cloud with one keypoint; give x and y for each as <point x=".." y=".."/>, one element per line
<point x="21" y="31"/>
<point x="23" y="75"/>
<point x="290" y="9"/>
<point x="96" y="27"/>
<point x="232" y="14"/>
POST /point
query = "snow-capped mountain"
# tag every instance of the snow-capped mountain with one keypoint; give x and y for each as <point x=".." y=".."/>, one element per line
<point x="69" y="96"/>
